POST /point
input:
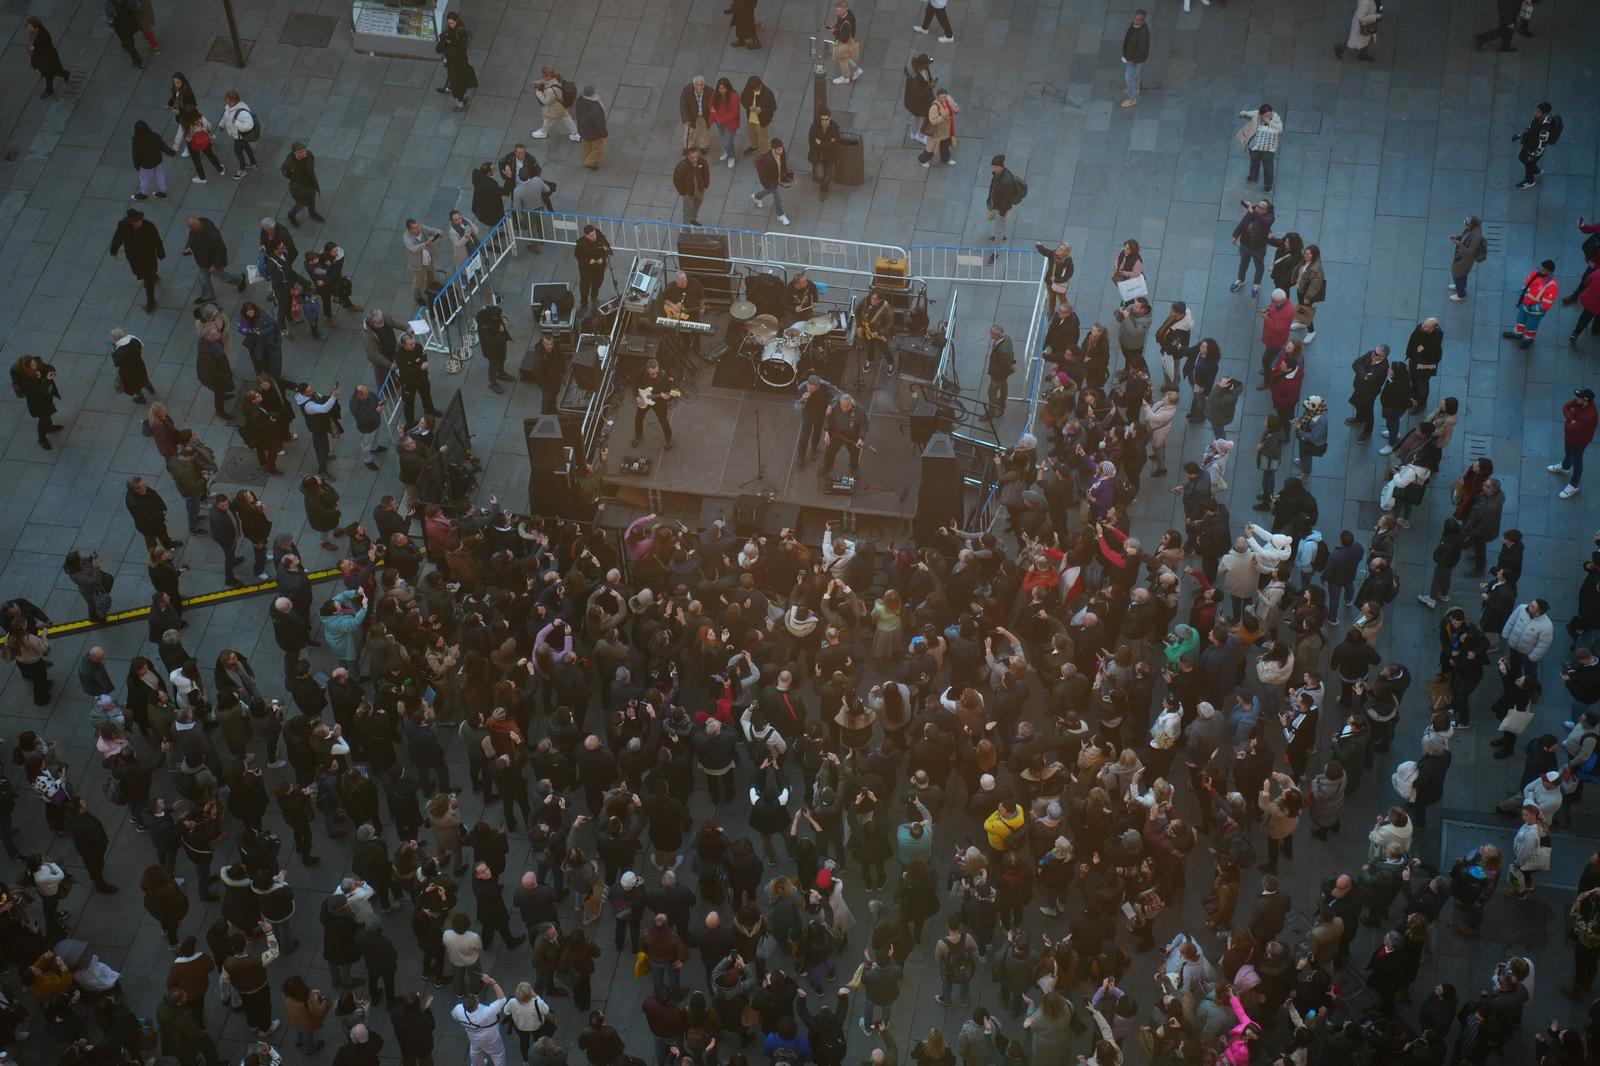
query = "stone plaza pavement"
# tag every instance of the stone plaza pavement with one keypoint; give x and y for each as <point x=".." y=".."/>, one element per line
<point x="1379" y="163"/>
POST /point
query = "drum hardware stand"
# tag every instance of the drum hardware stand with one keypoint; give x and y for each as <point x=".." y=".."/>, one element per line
<point x="767" y="490"/>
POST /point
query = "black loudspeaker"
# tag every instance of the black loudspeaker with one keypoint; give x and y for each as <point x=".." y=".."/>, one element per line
<point x="939" y="492"/>
<point x="927" y="418"/>
<point x="749" y="512"/>
<point x="586" y="368"/>
<point x="918" y="357"/>
<point x="550" y="465"/>
<point x="700" y="252"/>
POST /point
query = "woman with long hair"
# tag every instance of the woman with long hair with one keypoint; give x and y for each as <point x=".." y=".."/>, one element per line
<point x="93" y="584"/>
<point x="194" y="132"/>
<point x="43" y="57"/>
<point x="28" y="649"/>
<point x="304" y="1010"/>
<point x="35" y="381"/>
<point x="723" y="111"/>
<point x="164" y="900"/>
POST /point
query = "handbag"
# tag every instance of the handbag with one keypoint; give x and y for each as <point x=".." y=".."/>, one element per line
<point x="1515" y="720"/>
<point x="1369" y="27"/>
<point x="1305" y="314"/>
<point x="107" y="581"/>
<point x="1439" y="691"/>
<point x="1130" y="289"/>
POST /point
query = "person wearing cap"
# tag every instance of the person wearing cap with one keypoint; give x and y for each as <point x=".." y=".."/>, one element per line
<point x="1135" y="50"/>
<point x="1578" y="421"/>
<point x="1471" y="249"/>
<point x="142" y="243"/>
<point x="1260" y="136"/>
<point x="1006" y="191"/>
<point x="300" y="168"/>
<point x="1538" y="295"/>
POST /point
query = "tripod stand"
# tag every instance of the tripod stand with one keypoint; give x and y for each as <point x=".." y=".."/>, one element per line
<point x="760" y="480"/>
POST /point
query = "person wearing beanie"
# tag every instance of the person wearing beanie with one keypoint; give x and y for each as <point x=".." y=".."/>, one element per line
<point x="1538" y="295"/>
<point x="1006" y="191"/>
<point x="1578" y="420"/>
<point x="300" y="168"/>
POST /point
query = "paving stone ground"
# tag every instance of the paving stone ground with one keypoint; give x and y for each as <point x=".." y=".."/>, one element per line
<point x="1379" y="163"/>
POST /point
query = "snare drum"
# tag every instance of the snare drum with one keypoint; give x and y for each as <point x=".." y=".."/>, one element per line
<point x="779" y="366"/>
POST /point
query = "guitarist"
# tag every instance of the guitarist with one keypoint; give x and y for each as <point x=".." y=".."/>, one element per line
<point x="846" y="428"/>
<point x="653" y="391"/>
<point x="874" y="325"/>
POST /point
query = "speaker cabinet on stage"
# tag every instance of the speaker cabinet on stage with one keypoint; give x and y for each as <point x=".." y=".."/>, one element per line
<point x="939" y="492"/>
<point x="702" y="252"/>
<point x="586" y="368"/>
<point x="928" y="418"/>
<point x="551" y="461"/>
<point x="749" y="514"/>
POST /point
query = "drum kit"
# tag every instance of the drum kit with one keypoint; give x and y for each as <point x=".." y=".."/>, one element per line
<point x="780" y="355"/>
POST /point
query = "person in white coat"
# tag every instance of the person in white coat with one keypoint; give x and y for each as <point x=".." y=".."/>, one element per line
<point x="482" y="1023"/>
<point x="243" y="128"/>
<point x="1157" y="418"/>
<point x="1270" y="549"/>
<point x="1239" y="575"/>
<point x="1393" y="827"/>
<point x="1363" y="31"/>
<point x="1528" y="634"/>
<point x="1528" y="856"/>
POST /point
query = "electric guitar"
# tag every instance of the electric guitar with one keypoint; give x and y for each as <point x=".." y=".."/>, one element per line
<point x="648" y="397"/>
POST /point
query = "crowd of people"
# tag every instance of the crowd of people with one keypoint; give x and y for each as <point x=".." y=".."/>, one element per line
<point x="1006" y="758"/>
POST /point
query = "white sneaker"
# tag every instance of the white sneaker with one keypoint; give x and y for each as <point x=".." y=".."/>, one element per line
<point x="198" y="181"/>
<point x="1556" y="468"/>
<point x="1205" y="3"/>
<point x="785" y="220"/>
<point x="1385" y="450"/>
<point x="1428" y="601"/>
<point x="1185" y="7"/>
<point x="1568" y="493"/>
<point x="841" y="80"/>
<point x="730" y="162"/>
<point x="755" y="199"/>
<point x="573" y="137"/>
<point x="920" y="29"/>
<point x="857" y="74"/>
<point x="949" y="162"/>
<point x="538" y="135"/>
<point x="1310" y="337"/>
<point x="947" y="40"/>
<point x="721" y="156"/>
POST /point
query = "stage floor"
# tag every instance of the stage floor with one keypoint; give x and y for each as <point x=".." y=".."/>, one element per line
<point x="714" y="452"/>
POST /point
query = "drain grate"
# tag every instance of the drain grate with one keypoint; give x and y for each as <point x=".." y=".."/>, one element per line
<point x="239" y="467"/>
<point x="221" y="50"/>
<point x="308" y="31"/>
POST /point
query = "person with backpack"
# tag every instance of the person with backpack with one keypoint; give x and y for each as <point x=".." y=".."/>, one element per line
<point x="1471" y="249"/>
<point x="1544" y="129"/>
<point x="239" y="122"/>
<point x="957" y="956"/>
<point x="555" y="95"/>
<point x="1473" y="878"/>
<point x="825" y="1029"/>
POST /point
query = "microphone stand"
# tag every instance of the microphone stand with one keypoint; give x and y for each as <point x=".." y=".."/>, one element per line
<point x="769" y="492"/>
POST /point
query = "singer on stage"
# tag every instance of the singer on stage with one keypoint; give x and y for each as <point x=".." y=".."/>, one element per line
<point x="846" y="428"/>
<point x="654" y="391"/>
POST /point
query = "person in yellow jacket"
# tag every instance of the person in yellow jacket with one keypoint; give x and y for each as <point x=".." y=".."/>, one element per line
<point x="1002" y="825"/>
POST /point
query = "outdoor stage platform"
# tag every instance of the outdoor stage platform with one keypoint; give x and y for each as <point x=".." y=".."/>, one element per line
<point x="714" y="457"/>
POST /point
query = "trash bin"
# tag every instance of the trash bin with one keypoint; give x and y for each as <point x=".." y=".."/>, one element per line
<point x="849" y="165"/>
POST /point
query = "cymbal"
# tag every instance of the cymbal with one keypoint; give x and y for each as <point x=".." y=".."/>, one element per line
<point x="761" y="331"/>
<point x="816" y="327"/>
<point x="768" y="320"/>
<point x="742" y="310"/>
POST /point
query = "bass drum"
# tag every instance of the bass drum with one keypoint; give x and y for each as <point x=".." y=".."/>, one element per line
<point x="779" y="365"/>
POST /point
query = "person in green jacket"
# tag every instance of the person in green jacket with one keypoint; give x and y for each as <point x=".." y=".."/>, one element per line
<point x="342" y="618"/>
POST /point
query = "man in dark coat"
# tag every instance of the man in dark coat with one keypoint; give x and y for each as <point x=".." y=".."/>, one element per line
<point x="300" y="167"/>
<point x="1005" y="192"/>
<point x="142" y="242"/>
<point x="210" y="254"/>
<point x="495" y="336"/>
<point x="89" y="837"/>
<point x="224" y="527"/>
<point x="149" y="513"/>
<point x="1423" y="352"/>
<point x="381" y="959"/>
<point x="212" y="368"/>
<point x="1482" y="524"/>
<point x="823" y="149"/>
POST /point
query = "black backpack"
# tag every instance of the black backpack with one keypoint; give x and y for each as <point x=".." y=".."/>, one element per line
<point x="1320" y="559"/>
<point x="569" y="93"/>
<point x="1022" y="188"/>
<point x="959" y="962"/>
<point x="827" y="1044"/>
<point x="1557" y="127"/>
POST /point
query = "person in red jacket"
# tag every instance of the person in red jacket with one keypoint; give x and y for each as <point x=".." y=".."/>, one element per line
<point x="1589" y="299"/>
<point x="1276" y="318"/>
<point x="1538" y="295"/>
<point x="1578" y="418"/>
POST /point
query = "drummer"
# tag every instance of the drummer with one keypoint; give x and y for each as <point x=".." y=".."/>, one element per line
<point x="802" y="297"/>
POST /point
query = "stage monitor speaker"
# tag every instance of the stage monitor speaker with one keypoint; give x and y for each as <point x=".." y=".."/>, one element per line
<point x="918" y="357"/>
<point x="928" y="418"/>
<point x="701" y="252"/>
<point x="749" y="512"/>
<point x="586" y="368"/>
<point x="939" y="491"/>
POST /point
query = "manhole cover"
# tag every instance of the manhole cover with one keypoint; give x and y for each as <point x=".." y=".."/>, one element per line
<point x="221" y="51"/>
<point x="308" y="31"/>
<point x="239" y="467"/>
